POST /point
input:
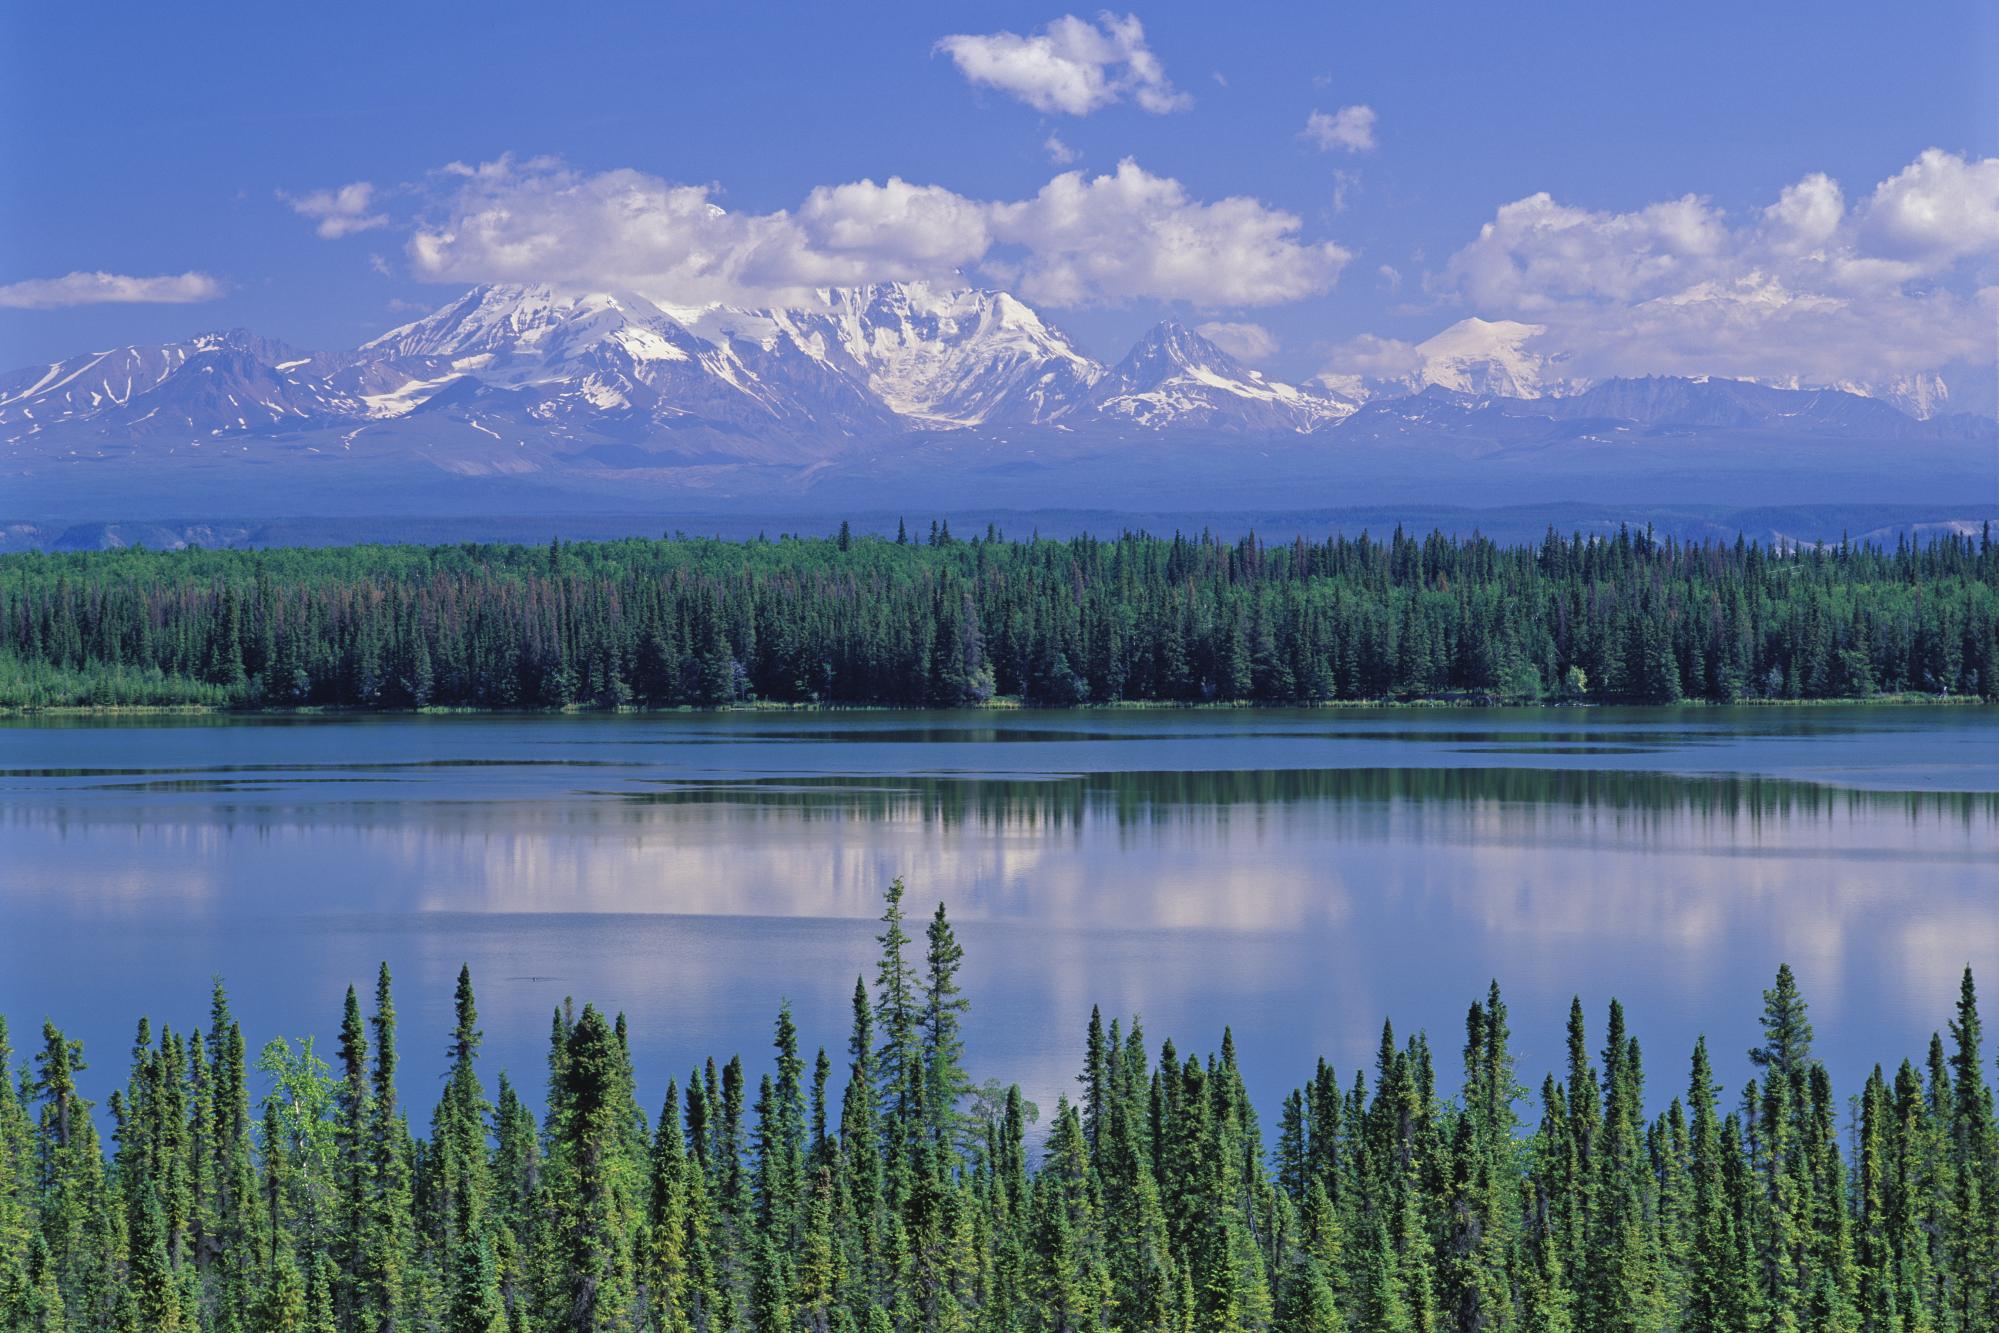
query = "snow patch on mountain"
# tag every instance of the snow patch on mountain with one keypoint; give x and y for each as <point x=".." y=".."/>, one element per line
<point x="1176" y="377"/>
<point x="1921" y="394"/>
<point x="932" y="356"/>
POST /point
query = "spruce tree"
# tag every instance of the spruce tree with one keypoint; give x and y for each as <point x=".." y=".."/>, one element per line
<point x="591" y="1285"/>
<point x="1973" y="1210"/>
<point x="1305" y="1301"/>
<point x="943" y="1008"/>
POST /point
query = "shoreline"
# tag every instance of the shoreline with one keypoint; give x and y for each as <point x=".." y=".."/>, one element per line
<point x="1005" y="705"/>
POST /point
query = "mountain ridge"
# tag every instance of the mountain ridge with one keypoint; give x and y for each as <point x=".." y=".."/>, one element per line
<point x="523" y="394"/>
<point x="868" y="364"/>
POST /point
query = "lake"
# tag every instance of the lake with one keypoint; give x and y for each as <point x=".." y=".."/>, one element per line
<point x="1297" y="874"/>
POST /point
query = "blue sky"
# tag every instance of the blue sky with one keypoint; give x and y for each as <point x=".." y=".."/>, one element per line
<point x="159" y="142"/>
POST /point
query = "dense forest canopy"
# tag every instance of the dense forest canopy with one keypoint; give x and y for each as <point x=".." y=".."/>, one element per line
<point x="290" y="1194"/>
<point x="948" y="622"/>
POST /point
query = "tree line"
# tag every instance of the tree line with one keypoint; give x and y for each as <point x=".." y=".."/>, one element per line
<point x="949" y="623"/>
<point x="902" y="1199"/>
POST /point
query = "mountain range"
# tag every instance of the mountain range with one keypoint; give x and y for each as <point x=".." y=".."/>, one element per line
<point x="870" y="389"/>
<point x="873" y="362"/>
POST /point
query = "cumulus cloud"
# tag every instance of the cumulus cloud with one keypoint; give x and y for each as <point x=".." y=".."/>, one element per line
<point x="1348" y="130"/>
<point x="1071" y="67"/>
<point x="1536" y="252"/>
<point x="1939" y="208"/>
<point x="1806" y="215"/>
<point x="895" y="226"/>
<point x="339" y="212"/>
<point x="1245" y="342"/>
<point x="1131" y="234"/>
<point x="1079" y="241"/>
<point x="1061" y="154"/>
<point x="73" y="289"/>
<point x="1807" y="289"/>
<point x="540" y="220"/>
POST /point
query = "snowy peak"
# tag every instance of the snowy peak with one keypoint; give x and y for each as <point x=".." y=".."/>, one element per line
<point x="1176" y="377"/>
<point x="620" y="379"/>
<point x="1483" y="358"/>
<point x="569" y="357"/>
<point x="933" y="357"/>
<point x="1509" y="359"/>
<point x="1921" y="394"/>
<point x="519" y="326"/>
<point x="1490" y="358"/>
<point x="486" y="320"/>
<point x="1171" y="350"/>
<point x="210" y="384"/>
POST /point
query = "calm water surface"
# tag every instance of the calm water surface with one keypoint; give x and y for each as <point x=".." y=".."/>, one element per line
<point x="1299" y="875"/>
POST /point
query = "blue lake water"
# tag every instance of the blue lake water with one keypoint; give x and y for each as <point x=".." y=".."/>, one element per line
<point x="1299" y="875"/>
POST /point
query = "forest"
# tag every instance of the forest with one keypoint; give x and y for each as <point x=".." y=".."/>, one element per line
<point x="288" y="1194"/>
<point x="942" y="621"/>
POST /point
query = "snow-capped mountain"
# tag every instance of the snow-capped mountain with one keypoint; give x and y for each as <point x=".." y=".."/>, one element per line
<point x="1921" y="394"/>
<point x="1175" y="377"/>
<point x="1669" y="403"/>
<point x="604" y="360"/>
<point x="1491" y="358"/>
<point x="530" y="385"/>
<point x="515" y="361"/>
<point x="1508" y="359"/>
<point x="938" y="358"/>
<point x="1486" y="358"/>
<point x="208" y="384"/>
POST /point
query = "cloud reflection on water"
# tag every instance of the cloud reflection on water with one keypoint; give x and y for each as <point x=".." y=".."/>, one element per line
<point x="1299" y="904"/>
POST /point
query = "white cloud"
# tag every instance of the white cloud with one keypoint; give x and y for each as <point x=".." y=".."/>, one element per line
<point x="623" y="229"/>
<point x="1806" y="215"/>
<point x="1061" y="154"/>
<point x="1538" y="252"/>
<point x="1807" y="289"/>
<point x="1130" y="234"/>
<point x="340" y="212"/>
<point x="1344" y="183"/>
<point x="1376" y="357"/>
<point x="1245" y="342"/>
<point x="1940" y="207"/>
<point x="1350" y="129"/>
<point x="1079" y="241"/>
<point x="895" y="227"/>
<point x="1071" y="67"/>
<point x="1357" y="363"/>
<point x="73" y="289"/>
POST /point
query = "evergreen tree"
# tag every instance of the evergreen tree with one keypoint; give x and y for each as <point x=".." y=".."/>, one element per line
<point x="1305" y="1303"/>
<point x="1384" y="1206"/>
<point x="1972" y="1216"/>
<point x="590" y="1279"/>
<point x="943" y="1008"/>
